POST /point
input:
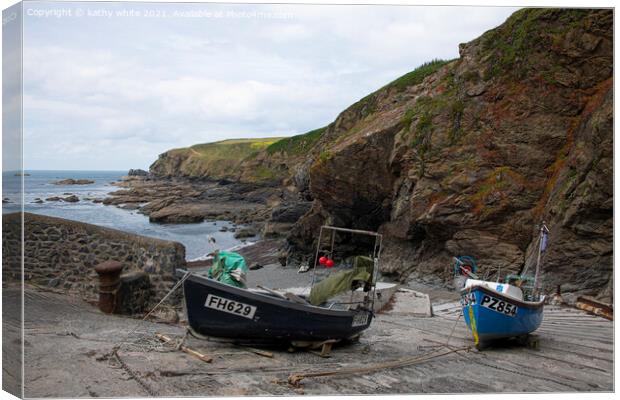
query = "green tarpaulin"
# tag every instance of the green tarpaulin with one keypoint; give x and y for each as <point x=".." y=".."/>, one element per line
<point x="229" y="268"/>
<point x="342" y="281"/>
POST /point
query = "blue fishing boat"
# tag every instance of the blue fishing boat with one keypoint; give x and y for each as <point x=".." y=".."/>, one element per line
<point x="500" y="310"/>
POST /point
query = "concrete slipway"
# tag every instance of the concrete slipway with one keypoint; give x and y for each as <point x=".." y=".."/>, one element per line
<point x="68" y="342"/>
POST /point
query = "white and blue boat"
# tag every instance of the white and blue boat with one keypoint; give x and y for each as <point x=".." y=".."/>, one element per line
<point x="500" y="310"/>
<point x="497" y="310"/>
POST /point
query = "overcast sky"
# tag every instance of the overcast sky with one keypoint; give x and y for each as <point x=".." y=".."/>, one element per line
<point x="111" y="91"/>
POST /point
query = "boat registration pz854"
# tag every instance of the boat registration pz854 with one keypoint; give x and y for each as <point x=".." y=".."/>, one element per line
<point x="499" y="306"/>
<point x="230" y="306"/>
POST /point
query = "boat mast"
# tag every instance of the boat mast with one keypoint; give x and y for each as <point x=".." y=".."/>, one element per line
<point x="542" y="244"/>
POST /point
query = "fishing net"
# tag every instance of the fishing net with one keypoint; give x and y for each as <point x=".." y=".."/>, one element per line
<point x="342" y="281"/>
<point x="229" y="268"/>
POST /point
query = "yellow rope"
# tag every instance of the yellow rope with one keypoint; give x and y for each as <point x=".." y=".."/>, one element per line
<point x="472" y="318"/>
<point x="472" y="323"/>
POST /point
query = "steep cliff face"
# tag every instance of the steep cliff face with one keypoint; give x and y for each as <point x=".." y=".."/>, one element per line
<point x="471" y="159"/>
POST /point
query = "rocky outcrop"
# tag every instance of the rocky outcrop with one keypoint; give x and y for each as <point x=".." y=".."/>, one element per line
<point x="137" y="172"/>
<point x="471" y="159"/>
<point x="69" y="198"/>
<point x="72" y="181"/>
<point x="242" y="180"/>
<point x="184" y="200"/>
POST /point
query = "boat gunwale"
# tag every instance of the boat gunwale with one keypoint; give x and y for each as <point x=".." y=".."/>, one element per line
<point x="270" y="299"/>
<point x="520" y="303"/>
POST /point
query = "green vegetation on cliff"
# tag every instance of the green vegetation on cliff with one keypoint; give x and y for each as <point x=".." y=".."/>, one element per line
<point x="298" y="144"/>
<point x="216" y="160"/>
<point x="232" y="148"/>
<point x="367" y="105"/>
<point x="417" y="75"/>
<point x="510" y="46"/>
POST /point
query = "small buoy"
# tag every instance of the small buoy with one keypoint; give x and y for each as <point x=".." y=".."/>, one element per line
<point x="329" y="263"/>
<point x="322" y="260"/>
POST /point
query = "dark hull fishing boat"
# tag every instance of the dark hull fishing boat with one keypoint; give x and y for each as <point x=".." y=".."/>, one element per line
<point x="220" y="310"/>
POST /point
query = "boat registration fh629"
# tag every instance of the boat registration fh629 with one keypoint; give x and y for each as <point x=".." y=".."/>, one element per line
<point x="230" y="306"/>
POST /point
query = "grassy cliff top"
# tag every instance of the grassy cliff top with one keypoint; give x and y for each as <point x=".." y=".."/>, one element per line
<point x="229" y="148"/>
<point x="216" y="160"/>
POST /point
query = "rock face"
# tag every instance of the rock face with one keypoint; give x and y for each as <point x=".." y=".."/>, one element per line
<point x="471" y="160"/>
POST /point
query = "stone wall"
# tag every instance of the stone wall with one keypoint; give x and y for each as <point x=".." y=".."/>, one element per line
<point x="62" y="254"/>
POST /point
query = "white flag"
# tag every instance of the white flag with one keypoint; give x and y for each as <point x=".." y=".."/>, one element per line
<point x="543" y="241"/>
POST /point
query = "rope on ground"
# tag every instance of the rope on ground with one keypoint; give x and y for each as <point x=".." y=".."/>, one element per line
<point x="453" y="327"/>
<point x="295" y="379"/>
<point x="114" y="353"/>
<point x="133" y="375"/>
<point x="174" y="288"/>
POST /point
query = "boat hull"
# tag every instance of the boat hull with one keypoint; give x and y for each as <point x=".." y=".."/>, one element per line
<point x="218" y="310"/>
<point x="492" y="315"/>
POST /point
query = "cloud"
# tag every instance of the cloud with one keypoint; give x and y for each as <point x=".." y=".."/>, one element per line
<point x="113" y="93"/>
<point x="287" y="33"/>
<point x="185" y="43"/>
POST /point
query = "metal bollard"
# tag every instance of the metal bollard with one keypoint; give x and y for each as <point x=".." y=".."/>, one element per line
<point x="109" y="282"/>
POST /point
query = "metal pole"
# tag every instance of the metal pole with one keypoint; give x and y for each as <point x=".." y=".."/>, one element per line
<point x="375" y="272"/>
<point x="316" y="257"/>
<point x="331" y="248"/>
<point x="536" y="275"/>
<point x="372" y="278"/>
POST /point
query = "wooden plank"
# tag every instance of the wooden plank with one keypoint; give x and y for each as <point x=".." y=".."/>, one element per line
<point x="185" y="349"/>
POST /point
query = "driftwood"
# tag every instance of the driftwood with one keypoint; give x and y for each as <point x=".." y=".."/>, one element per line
<point x="185" y="349"/>
<point x="595" y="307"/>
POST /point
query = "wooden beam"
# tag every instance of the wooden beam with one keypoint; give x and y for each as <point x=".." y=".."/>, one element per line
<point x="185" y="349"/>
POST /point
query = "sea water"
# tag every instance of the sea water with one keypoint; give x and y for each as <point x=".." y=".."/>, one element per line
<point x="40" y="184"/>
